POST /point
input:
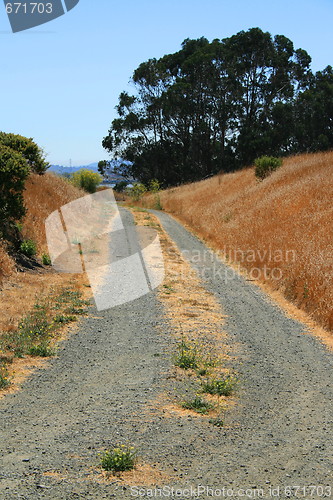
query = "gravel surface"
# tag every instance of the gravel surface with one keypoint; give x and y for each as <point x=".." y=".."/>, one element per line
<point x="101" y="389"/>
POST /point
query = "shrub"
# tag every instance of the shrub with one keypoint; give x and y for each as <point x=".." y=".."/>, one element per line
<point x="46" y="259"/>
<point x="87" y="180"/>
<point x="137" y="191"/>
<point x="158" y="204"/>
<point x="27" y="148"/>
<point x="28" y="248"/>
<point x="265" y="165"/>
<point x="120" y="186"/>
<point x="14" y="170"/>
<point x="119" y="459"/>
<point x="154" y="186"/>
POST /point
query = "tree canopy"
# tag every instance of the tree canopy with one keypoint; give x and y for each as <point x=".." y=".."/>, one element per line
<point x="32" y="153"/>
<point x="216" y="106"/>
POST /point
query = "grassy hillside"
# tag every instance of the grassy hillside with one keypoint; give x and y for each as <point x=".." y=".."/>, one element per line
<point x="280" y="230"/>
<point x="42" y="196"/>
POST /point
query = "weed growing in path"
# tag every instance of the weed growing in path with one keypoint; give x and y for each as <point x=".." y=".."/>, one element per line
<point x="217" y="421"/>
<point x="120" y="459"/>
<point x="199" y="405"/>
<point x="188" y="356"/>
<point x="221" y="387"/>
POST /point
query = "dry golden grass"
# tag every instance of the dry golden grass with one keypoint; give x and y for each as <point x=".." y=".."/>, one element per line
<point x="7" y="265"/>
<point x="279" y="230"/>
<point x="43" y="195"/>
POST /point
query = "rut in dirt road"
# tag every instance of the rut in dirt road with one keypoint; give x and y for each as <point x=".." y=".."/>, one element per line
<point x="101" y="390"/>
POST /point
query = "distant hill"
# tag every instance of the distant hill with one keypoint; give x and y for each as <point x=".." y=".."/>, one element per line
<point x="59" y="169"/>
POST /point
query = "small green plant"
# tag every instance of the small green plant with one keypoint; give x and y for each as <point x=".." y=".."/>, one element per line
<point x="217" y="421"/>
<point x="265" y="165"/>
<point x="28" y="248"/>
<point x="199" y="405"/>
<point x="46" y="259"/>
<point x="221" y="387"/>
<point x="62" y="318"/>
<point x="72" y="310"/>
<point x="187" y="356"/>
<point x="305" y="291"/>
<point x="42" y="350"/>
<point x="201" y="372"/>
<point x="119" y="459"/>
<point x="4" y="380"/>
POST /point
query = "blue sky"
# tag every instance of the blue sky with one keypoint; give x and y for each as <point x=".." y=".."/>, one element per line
<point x="60" y="82"/>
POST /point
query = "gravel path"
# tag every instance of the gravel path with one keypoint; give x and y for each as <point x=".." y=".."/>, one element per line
<point x="101" y="388"/>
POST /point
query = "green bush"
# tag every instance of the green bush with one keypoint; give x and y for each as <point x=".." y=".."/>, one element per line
<point x="28" y="248"/>
<point x="120" y="186"/>
<point x="119" y="459"/>
<point x="265" y="165"/>
<point x="137" y="191"/>
<point x="154" y="186"/>
<point x="46" y="259"/>
<point x="87" y="180"/>
<point x="14" y="170"/>
<point x="30" y="151"/>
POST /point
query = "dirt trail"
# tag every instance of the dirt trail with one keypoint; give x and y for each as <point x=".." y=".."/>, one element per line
<point x="102" y="388"/>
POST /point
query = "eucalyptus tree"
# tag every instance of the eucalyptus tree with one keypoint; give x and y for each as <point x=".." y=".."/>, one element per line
<point x="210" y="106"/>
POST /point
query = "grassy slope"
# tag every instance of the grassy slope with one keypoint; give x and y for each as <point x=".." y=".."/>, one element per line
<point x="289" y="216"/>
<point x="42" y="196"/>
